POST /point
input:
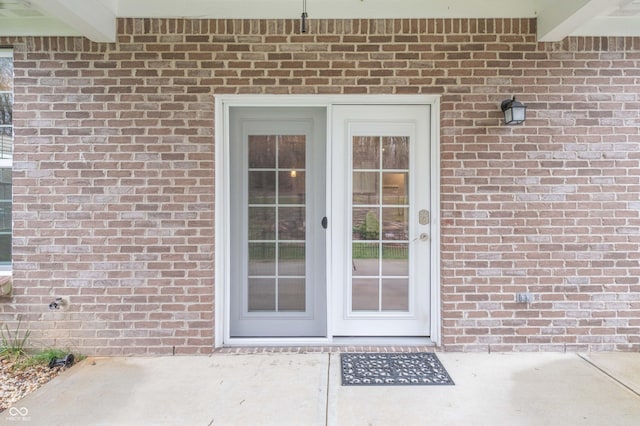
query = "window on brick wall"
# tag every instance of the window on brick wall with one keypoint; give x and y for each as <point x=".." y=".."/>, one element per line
<point x="6" y="155"/>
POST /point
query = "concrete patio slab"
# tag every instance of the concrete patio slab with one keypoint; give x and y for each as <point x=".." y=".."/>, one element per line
<point x="492" y="389"/>
<point x="217" y="390"/>
<point x="305" y="389"/>
<point x="624" y="366"/>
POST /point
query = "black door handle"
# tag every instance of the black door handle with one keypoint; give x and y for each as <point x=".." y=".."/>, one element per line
<point x="325" y="222"/>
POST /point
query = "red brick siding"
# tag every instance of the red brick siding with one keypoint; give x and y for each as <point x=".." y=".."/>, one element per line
<point x="114" y="168"/>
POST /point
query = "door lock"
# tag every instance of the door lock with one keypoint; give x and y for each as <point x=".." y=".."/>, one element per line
<point x="325" y="222"/>
<point x="423" y="217"/>
<point x="424" y="237"/>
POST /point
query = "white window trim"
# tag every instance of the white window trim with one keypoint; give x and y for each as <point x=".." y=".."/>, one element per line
<point x="222" y="211"/>
<point x="6" y="269"/>
<point x="6" y="53"/>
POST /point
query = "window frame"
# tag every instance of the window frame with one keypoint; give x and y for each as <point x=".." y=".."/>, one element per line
<point x="7" y="163"/>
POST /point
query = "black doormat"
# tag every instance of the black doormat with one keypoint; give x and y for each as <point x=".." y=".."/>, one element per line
<point x="393" y="369"/>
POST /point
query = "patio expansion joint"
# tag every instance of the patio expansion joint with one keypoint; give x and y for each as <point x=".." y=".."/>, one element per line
<point x="611" y="376"/>
<point x="326" y="406"/>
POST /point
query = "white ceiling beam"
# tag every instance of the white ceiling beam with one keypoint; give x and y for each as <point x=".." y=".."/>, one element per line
<point x="326" y="9"/>
<point x="96" y="19"/>
<point x="90" y="18"/>
<point x="611" y="26"/>
<point x="35" y="26"/>
<point x="558" y="19"/>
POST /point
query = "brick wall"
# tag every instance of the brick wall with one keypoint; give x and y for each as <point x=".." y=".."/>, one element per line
<point x="114" y="166"/>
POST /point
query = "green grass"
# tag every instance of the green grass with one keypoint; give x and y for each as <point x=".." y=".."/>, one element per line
<point x="13" y="343"/>
<point x="40" y="358"/>
<point x="372" y="251"/>
<point x="13" y="346"/>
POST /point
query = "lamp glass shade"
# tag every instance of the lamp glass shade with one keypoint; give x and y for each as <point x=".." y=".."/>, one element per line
<point x="514" y="112"/>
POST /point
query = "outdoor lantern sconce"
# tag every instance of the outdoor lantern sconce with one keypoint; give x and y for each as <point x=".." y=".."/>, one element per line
<point x="514" y="112"/>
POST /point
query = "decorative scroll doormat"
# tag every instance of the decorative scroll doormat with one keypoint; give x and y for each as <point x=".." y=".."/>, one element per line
<point x="393" y="369"/>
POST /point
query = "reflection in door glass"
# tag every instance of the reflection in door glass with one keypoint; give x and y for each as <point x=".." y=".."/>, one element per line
<point x="395" y="259"/>
<point x="263" y="187"/>
<point x="395" y="294"/>
<point x="366" y="223"/>
<point x="291" y="152"/>
<point x="395" y="223"/>
<point x="365" y="294"/>
<point x="291" y="187"/>
<point x="366" y="187"/>
<point x="291" y="223"/>
<point x="380" y="223"/>
<point x="365" y="259"/>
<point x="276" y="226"/>
<point x="395" y="188"/>
<point x="291" y="294"/>
<point x="262" y="223"/>
<point x="262" y="294"/>
<point x="366" y="152"/>
<point x="262" y="258"/>
<point x="291" y="260"/>
<point x="262" y="152"/>
<point x="395" y="153"/>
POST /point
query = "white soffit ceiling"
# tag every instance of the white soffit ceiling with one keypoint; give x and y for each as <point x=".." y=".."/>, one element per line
<point x="96" y="19"/>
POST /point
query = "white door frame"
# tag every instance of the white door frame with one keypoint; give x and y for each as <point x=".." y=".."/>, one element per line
<point x="222" y="212"/>
<point x="402" y="121"/>
<point x="308" y="123"/>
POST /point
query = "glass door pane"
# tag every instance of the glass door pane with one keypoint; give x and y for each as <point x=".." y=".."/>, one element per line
<point x="277" y="212"/>
<point x="380" y="228"/>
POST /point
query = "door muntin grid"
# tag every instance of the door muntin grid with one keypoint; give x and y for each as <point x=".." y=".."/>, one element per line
<point x="380" y="248"/>
<point x="277" y="223"/>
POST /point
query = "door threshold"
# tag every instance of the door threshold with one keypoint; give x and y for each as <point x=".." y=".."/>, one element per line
<point x="381" y="341"/>
<point x="276" y="342"/>
<point x="390" y="341"/>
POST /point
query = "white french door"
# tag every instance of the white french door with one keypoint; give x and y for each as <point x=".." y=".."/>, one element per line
<point x="381" y="220"/>
<point x="277" y="247"/>
<point x="327" y="221"/>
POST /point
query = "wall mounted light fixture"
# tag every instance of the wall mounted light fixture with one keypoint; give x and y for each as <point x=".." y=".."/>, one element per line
<point x="303" y="21"/>
<point x="514" y="111"/>
<point x="57" y="304"/>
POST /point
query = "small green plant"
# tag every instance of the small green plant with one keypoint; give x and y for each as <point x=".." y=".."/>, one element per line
<point x="370" y="228"/>
<point x="43" y="357"/>
<point x="13" y="343"/>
